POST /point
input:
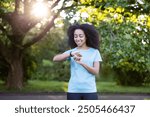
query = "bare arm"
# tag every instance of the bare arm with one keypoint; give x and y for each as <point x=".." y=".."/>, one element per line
<point x="61" y="57"/>
<point x="64" y="56"/>
<point x="94" y="70"/>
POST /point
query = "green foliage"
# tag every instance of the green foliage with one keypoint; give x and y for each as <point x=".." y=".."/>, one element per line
<point x="124" y="27"/>
<point x="6" y="6"/>
<point x="29" y="64"/>
<point x="44" y="52"/>
<point x="126" y="50"/>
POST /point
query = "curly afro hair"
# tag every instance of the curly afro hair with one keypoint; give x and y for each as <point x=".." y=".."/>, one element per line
<point x="91" y="34"/>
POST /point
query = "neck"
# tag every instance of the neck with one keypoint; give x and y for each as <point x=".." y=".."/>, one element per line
<point x="83" y="47"/>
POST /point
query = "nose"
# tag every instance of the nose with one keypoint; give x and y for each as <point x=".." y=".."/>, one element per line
<point x="77" y="38"/>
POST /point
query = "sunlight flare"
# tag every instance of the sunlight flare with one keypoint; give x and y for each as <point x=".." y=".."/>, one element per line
<point x="40" y="9"/>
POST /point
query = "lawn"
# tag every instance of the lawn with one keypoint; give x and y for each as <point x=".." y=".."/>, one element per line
<point x="56" y="86"/>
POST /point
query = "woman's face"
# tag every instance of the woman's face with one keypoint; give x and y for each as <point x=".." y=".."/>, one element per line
<point x="79" y="38"/>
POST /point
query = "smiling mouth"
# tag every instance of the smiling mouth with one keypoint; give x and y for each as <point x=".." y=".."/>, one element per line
<point x="78" y="43"/>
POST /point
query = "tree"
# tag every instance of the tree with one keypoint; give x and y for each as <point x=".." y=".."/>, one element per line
<point x="15" y="23"/>
<point x="124" y="27"/>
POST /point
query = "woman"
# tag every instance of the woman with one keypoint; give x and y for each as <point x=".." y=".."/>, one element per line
<point x="84" y="58"/>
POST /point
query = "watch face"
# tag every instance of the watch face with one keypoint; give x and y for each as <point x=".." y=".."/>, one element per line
<point x="78" y="54"/>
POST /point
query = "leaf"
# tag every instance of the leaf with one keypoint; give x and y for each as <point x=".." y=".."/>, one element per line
<point x="47" y="63"/>
<point x="128" y="36"/>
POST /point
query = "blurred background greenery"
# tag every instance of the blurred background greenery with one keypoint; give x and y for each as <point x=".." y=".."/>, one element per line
<point x="124" y="28"/>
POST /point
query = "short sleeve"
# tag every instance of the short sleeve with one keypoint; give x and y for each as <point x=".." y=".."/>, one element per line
<point x="68" y="52"/>
<point x="97" y="56"/>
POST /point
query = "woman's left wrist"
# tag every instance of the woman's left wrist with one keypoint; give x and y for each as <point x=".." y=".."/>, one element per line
<point x="71" y="54"/>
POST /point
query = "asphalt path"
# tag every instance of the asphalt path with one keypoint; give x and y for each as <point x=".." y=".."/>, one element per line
<point x="62" y="96"/>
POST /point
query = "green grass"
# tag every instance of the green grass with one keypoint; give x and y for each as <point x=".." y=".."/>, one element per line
<point x="55" y="86"/>
<point x="113" y="88"/>
<point x="39" y="86"/>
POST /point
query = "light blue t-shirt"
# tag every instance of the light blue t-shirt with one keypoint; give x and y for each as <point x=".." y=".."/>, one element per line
<point x="82" y="81"/>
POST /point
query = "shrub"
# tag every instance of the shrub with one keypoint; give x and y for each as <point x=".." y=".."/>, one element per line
<point x="44" y="52"/>
<point x="126" y="50"/>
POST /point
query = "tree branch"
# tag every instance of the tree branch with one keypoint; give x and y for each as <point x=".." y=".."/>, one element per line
<point x="42" y="34"/>
<point x="50" y="24"/>
<point x="55" y="4"/>
<point x="65" y="8"/>
<point x="17" y="5"/>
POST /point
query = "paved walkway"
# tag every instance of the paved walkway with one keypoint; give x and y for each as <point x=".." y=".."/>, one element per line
<point x="62" y="96"/>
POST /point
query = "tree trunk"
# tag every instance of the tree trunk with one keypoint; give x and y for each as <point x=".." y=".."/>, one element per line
<point x="15" y="73"/>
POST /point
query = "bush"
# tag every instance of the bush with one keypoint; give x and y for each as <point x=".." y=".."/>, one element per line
<point x="126" y="50"/>
<point x="44" y="52"/>
<point x="29" y="66"/>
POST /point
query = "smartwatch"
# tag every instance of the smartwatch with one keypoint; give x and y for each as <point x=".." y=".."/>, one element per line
<point x="71" y="54"/>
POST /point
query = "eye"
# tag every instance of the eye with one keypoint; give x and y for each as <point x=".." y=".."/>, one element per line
<point x="81" y="35"/>
<point x="75" y="36"/>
